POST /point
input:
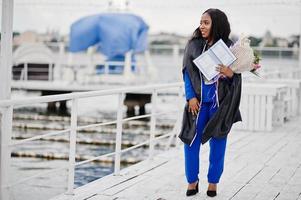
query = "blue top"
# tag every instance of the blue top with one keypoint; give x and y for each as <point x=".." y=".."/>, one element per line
<point x="208" y="91"/>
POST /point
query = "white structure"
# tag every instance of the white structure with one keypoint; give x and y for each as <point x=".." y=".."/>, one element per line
<point x="34" y="54"/>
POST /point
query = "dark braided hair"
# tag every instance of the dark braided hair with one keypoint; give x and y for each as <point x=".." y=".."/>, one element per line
<point x="220" y="28"/>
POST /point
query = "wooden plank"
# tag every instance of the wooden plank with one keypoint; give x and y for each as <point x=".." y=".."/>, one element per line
<point x="294" y="106"/>
<point x="270" y="109"/>
<point x="251" y="113"/>
<point x="139" y="180"/>
<point x="245" y="192"/>
<point x="245" y="110"/>
<point x="102" y="197"/>
<point x="290" y="192"/>
<point x="269" y="192"/>
<point x="257" y="108"/>
<point x="263" y="113"/>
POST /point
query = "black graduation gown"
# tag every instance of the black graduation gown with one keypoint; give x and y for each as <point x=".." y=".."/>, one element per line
<point x="229" y="94"/>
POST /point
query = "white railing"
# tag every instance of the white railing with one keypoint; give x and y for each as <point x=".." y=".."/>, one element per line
<point x="278" y="52"/>
<point x="177" y="49"/>
<point x="270" y="100"/>
<point x="7" y="106"/>
<point x="87" y="61"/>
<point x="258" y="106"/>
<point x="42" y="54"/>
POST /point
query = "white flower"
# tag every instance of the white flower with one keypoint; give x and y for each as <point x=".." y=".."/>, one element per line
<point x="244" y="54"/>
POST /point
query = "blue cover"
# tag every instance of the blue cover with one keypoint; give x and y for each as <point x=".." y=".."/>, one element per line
<point x="114" y="33"/>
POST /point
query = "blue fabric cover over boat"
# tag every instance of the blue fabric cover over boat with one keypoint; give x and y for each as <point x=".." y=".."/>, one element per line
<point x="113" y="33"/>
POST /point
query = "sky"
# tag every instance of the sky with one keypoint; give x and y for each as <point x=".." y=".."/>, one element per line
<point x="250" y="17"/>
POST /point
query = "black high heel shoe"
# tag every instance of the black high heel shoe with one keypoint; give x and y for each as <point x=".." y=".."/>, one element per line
<point x="193" y="191"/>
<point x="211" y="193"/>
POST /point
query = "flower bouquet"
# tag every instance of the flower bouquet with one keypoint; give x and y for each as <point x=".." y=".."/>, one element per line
<point x="247" y="59"/>
<point x="255" y="63"/>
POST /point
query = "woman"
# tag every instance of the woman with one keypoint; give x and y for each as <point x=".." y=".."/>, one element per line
<point x="212" y="105"/>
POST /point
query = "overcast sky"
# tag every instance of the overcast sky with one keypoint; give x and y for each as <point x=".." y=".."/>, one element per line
<point x="252" y="17"/>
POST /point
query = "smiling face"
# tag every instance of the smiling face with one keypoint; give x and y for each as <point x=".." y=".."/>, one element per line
<point x="205" y="26"/>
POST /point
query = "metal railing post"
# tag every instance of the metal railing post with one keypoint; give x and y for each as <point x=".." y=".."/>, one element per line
<point x="6" y="131"/>
<point x="180" y="114"/>
<point x="50" y="72"/>
<point x="176" y="53"/>
<point x="118" y="134"/>
<point x="72" y="147"/>
<point x="300" y="37"/>
<point x="25" y="71"/>
<point x="6" y="61"/>
<point x="127" y="70"/>
<point x="153" y="123"/>
<point x="106" y="69"/>
<point x="177" y="127"/>
<point x="60" y="58"/>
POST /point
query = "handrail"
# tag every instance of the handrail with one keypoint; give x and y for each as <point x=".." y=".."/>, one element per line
<point x="123" y="120"/>
<point x="153" y="89"/>
<point x="39" y="137"/>
<point x="78" y="95"/>
<point x="181" y="46"/>
<point x="124" y="150"/>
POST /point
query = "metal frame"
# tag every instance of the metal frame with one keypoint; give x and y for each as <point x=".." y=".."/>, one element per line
<point x="6" y="112"/>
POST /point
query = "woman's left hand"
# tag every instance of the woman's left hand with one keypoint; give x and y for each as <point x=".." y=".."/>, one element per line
<point x="226" y="71"/>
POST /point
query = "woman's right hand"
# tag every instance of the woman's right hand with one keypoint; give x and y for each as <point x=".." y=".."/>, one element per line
<point x="193" y="106"/>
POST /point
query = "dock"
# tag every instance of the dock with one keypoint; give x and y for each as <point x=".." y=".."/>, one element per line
<point x="258" y="165"/>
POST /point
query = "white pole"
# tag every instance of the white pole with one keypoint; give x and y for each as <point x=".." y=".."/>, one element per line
<point x="118" y="134"/>
<point x="61" y="57"/>
<point x="128" y="65"/>
<point x="153" y="124"/>
<point x="180" y="113"/>
<point x="177" y="127"/>
<point x="26" y="71"/>
<point x="5" y="93"/>
<point x="6" y="129"/>
<point x="300" y="38"/>
<point x="72" y="147"/>
<point x="176" y="53"/>
<point x="6" y="48"/>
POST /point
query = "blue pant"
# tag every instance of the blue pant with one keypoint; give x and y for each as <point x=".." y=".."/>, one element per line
<point x="217" y="149"/>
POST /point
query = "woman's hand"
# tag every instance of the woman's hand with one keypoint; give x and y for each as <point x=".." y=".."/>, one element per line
<point x="226" y="71"/>
<point x="193" y="106"/>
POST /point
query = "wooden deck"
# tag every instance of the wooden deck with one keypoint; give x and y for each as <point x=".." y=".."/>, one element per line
<point x="258" y="165"/>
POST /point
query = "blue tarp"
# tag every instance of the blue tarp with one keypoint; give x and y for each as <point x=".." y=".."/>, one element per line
<point x="114" y="33"/>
